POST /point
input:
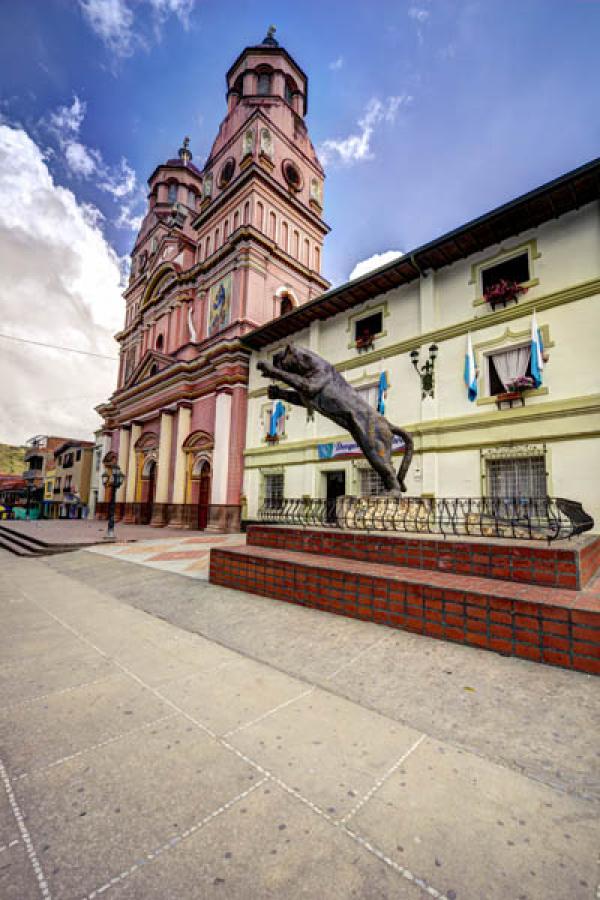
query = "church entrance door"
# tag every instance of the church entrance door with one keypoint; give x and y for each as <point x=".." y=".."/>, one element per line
<point x="204" y="496"/>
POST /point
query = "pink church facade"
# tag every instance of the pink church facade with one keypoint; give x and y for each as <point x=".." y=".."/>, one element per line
<point x="221" y="251"/>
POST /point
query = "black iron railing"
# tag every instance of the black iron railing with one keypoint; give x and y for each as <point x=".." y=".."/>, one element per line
<point x="511" y="517"/>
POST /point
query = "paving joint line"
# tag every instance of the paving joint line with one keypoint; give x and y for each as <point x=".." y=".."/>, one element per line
<point x="406" y="873"/>
<point x="402" y="870"/>
<point x="382" y="780"/>
<point x="9" y="845"/>
<point x="173" y="841"/>
<point x="105" y="743"/>
<point x="74" y="687"/>
<point x="26" y="837"/>
<point x="269" y="712"/>
<point x="381" y="640"/>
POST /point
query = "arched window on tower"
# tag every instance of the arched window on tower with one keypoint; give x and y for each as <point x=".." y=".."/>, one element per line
<point x="286" y="305"/>
<point x="317" y="259"/>
<point x="238" y="86"/>
<point x="191" y="199"/>
<point x="160" y="341"/>
<point x="246" y="212"/>
<point x="172" y="193"/>
<point x="207" y="253"/>
<point x="306" y="259"/>
<point x="296" y="249"/>
<point x="284" y="236"/>
<point x="236" y="220"/>
<point x="264" y="82"/>
<point x="290" y="87"/>
<point x="260" y="212"/>
<point x="225" y="229"/>
<point x="217" y="239"/>
<point x="272" y="226"/>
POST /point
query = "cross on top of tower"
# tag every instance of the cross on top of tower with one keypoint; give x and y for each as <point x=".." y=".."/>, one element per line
<point x="270" y="37"/>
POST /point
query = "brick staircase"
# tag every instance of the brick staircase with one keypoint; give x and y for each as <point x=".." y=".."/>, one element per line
<point x="521" y="598"/>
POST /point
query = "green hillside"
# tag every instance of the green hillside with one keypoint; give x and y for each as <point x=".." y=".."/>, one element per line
<point x="12" y="459"/>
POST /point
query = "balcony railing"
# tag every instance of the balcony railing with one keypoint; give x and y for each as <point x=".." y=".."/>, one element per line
<point x="520" y="518"/>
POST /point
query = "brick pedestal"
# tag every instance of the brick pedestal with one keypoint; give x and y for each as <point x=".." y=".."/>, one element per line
<point x="441" y="592"/>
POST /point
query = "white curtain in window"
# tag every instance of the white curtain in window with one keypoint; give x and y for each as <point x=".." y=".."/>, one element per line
<point x="511" y="364"/>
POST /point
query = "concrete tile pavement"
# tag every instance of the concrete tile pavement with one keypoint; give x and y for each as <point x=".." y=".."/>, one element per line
<point x="238" y="776"/>
<point x="179" y="554"/>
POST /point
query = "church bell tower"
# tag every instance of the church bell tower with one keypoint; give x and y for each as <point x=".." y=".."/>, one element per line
<point x="262" y="196"/>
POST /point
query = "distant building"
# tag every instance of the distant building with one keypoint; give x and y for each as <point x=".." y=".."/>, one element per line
<point x="39" y="460"/>
<point x="221" y="250"/>
<point x="70" y="480"/>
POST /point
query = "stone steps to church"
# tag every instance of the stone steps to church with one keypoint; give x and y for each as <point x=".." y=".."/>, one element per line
<point x="551" y="625"/>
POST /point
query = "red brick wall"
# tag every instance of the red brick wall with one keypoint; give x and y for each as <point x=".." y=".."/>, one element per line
<point x="525" y="563"/>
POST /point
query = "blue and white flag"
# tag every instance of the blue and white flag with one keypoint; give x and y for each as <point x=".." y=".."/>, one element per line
<point x="470" y="375"/>
<point x="276" y="416"/>
<point x="381" y="393"/>
<point x="537" y="349"/>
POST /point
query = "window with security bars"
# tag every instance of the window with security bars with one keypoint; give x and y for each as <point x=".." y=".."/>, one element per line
<point x="273" y="490"/>
<point x="371" y="483"/>
<point x="523" y="476"/>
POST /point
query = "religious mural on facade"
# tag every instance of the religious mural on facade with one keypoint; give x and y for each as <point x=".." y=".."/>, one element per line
<point x="219" y="307"/>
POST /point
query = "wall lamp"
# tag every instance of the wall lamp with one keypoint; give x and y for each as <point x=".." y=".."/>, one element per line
<point x="425" y="372"/>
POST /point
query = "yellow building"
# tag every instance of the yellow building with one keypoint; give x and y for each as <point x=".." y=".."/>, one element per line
<point x="507" y="441"/>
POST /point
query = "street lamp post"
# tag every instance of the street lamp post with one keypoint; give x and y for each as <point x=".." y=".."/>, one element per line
<point x="112" y="478"/>
<point x="29" y="477"/>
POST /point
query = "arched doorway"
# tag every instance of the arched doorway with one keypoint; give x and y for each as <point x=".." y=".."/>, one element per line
<point x="148" y="491"/>
<point x="203" y="495"/>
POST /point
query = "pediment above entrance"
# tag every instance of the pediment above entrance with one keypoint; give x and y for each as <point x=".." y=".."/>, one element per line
<point x="151" y="363"/>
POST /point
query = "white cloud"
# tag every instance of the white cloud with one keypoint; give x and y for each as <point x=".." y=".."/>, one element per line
<point x="81" y="160"/>
<point x="122" y="30"/>
<point x="180" y="8"/>
<point x="67" y="119"/>
<point x="61" y="284"/>
<point x="120" y="181"/>
<point x="112" y="21"/>
<point x="127" y="218"/>
<point x="337" y="64"/>
<point x="419" y="15"/>
<point x="373" y="262"/>
<point x="357" y="147"/>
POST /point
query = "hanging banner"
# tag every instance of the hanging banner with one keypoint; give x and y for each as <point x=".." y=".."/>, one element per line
<point x="350" y="448"/>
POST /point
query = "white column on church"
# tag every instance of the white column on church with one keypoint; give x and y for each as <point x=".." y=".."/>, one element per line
<point x="122" y="460"/>
<point x="220" y="471"/>
<point x="184" y="420"/>
<point x="164" y="457"/>
<point x="136" y="430"/>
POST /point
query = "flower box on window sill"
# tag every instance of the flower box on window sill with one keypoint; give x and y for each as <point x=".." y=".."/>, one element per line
<point x="503" y="292"/>
<point x="364" y="343"/>
<point x="510" y="399"/>
<point x="272" y="438"/>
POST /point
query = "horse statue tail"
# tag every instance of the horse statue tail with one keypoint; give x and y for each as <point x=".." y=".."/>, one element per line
<point x="408" y="454"/>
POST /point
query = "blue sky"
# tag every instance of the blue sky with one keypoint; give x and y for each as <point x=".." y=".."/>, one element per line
<point x="427" y="113"/>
